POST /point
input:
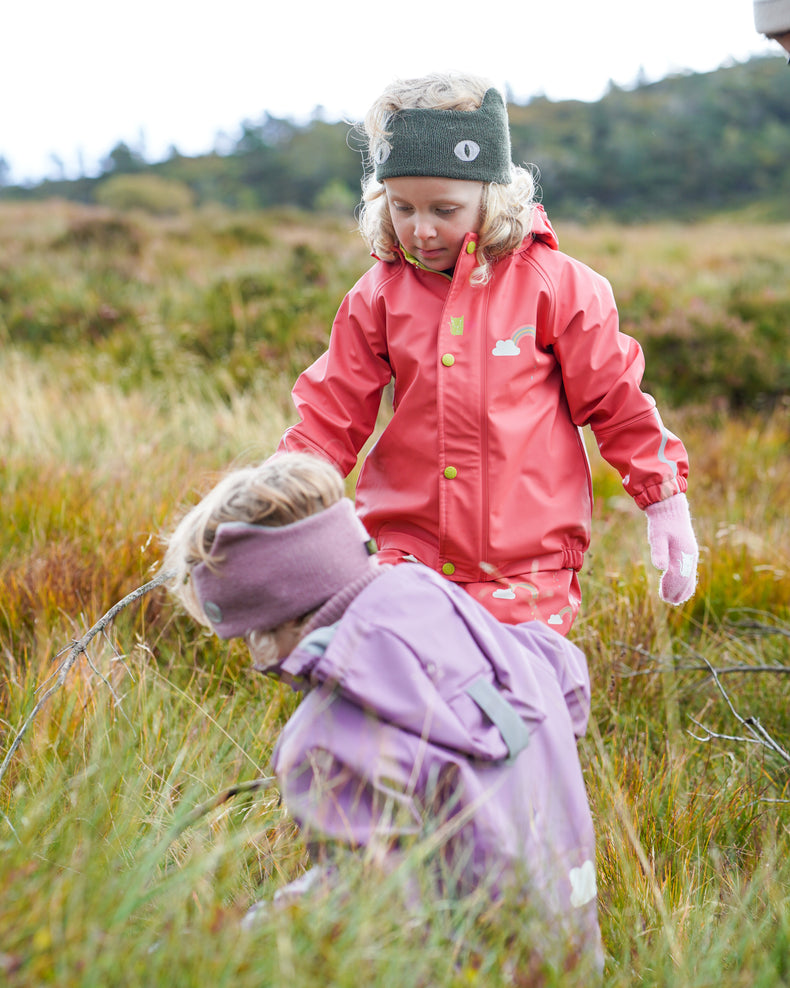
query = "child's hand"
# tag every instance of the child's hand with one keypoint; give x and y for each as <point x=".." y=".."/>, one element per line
<point x="673" y="547"/>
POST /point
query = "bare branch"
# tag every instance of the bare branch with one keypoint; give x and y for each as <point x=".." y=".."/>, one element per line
<point x="754" y="725"/>
<point x="11" y="826"/>
<point x="118" y="656"/>
<point x="76" y="649"/>
<point x="107" y="683"/>
<point x="762" y="629"/>
<point x="779" y="670"/>
<point x="702" y="666"/>
<point x="638" y="649"/>
<point x="759" y="735"/>
<point x="751" y="622"/>
<point x="266" y="782"/>
<point x="714" y="735"/>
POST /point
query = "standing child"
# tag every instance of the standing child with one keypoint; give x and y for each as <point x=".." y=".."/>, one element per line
<point x="501" y="347"/>
<point x="424" y="716"/>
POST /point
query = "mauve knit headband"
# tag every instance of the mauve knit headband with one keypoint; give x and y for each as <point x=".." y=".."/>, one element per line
<point x="465" y="144"/>
<point x="260" y="577"/>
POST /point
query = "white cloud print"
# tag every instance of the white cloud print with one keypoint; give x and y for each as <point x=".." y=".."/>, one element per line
<point x="583" y="888"/>
<point x="505" y="348"/>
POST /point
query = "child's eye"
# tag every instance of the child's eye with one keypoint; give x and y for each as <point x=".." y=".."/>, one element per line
<point x="446" y="212"/>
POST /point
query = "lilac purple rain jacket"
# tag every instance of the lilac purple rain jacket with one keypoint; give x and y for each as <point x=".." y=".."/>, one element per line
<point x="427" y="716"/>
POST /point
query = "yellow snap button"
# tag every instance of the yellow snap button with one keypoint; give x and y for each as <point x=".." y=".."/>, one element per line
<point x="450" y="472"/>
<point x="471" y="247"/>
<point x="448" y="569"/>
<point x="448" y="359"/>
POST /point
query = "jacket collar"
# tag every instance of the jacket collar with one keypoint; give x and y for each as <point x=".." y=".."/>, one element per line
<point x="464" y="253"/>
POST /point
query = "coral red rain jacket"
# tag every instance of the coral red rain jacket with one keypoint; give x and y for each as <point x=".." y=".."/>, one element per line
<point x="482" y="468"/>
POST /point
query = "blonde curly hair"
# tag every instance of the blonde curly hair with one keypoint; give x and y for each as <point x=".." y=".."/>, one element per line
<point x="279" y="491"/>
<point x="506" y="214"/>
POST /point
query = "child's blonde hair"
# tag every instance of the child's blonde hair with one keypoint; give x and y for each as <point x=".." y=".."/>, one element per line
<point x="274" y="493"/>
<point x="506" y="211"/>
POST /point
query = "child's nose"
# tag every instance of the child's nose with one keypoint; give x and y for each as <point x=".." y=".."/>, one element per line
<point x="424" y="228"/>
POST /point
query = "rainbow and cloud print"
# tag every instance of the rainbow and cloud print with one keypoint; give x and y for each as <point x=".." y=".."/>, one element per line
<point x="509" y="593"/>
<point x="510" y="348"/>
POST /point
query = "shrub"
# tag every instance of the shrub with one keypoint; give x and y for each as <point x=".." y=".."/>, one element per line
<point x="149" y="193"/>
<point x="739" y="354"/>
<point x="106" y="233"/>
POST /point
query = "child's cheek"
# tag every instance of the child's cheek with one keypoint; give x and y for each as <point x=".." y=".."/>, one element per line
<point x="263" y="650"/>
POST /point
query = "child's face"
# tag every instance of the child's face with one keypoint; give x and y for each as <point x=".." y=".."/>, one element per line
<point x="432" y="216"/>
<point x="268" y="648"/>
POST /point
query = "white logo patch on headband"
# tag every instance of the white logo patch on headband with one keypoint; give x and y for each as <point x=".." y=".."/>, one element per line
<point x="466" y="150"/>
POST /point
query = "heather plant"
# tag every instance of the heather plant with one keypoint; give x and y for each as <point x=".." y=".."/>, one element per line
<point x="137" y="818"/>
<point x="710" y="310"/>
<point x="149" y="193"/>
<point x="224" y="295"/>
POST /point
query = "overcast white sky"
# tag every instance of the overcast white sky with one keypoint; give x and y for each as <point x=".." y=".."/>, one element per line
<point x="78" y="76"/>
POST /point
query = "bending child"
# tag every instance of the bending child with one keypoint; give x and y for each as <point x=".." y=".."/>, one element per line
<point x="424" y="717"/>
<point x="501" y="347"/>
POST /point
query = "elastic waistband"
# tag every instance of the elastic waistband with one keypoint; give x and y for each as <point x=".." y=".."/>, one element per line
<point x="408" y="550"/>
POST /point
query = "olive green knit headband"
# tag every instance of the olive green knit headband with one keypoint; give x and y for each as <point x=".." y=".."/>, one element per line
<point x="467" y="144"/>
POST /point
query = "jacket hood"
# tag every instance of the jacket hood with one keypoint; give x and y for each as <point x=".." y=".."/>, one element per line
<point x="370" y="657"/>
<point x="542" y="229"/>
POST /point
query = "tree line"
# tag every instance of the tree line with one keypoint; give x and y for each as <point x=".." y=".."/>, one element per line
<point x="686" y="146"/>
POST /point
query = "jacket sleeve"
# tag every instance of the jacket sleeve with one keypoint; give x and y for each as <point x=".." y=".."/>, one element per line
<point x="602" y="374"/>
<point x="569" y="665"/>
<point x="338" y="397"/>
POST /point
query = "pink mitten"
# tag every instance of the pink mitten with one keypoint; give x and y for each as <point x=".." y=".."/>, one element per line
<point x="673" y="547"/>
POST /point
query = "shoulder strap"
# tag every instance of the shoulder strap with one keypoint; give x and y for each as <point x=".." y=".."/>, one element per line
<point x="317" y="642"/>
<point x="501" y="714"/>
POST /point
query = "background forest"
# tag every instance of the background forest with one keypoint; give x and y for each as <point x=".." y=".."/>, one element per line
<point x="151" y="323"/>
<point x="683" y="147"/>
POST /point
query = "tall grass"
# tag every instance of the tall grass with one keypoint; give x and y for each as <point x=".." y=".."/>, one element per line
<point x="106" y="876"/>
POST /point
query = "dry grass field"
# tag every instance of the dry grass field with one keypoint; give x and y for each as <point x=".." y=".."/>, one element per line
<point x="140" y="356"/>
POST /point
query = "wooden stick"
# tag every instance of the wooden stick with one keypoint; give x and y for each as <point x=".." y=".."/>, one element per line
<point x="76" y="649"/>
